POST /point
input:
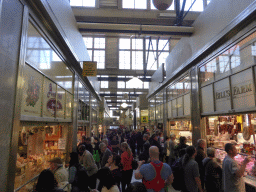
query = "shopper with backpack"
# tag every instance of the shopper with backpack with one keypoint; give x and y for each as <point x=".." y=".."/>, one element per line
<point x="155" y="175"/>
<point x="78" y="177"/>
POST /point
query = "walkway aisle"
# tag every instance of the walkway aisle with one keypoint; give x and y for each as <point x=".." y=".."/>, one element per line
<point x="170" y="188"/>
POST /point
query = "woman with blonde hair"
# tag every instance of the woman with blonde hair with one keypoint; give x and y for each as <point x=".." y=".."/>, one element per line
<point x="126" y="160"/>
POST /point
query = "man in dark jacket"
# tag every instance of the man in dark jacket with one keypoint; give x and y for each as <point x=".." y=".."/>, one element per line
<point x="140" y="143"/>
<point x="145" y="153"/>
<point x="201" y="145"/>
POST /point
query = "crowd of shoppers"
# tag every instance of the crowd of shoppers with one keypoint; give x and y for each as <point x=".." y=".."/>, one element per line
<point x="109" y="161"/>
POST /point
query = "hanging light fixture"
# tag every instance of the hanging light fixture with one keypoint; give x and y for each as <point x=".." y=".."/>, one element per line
<point x="124" y="105"/>
<point x="135" y="82"/>
<point x="162" y="4"/>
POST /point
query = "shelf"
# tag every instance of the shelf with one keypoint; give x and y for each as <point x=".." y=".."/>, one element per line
<point x="179" y="130"/>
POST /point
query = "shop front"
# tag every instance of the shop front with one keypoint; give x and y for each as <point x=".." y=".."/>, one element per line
<point x="227" y="84"/>
<point x="178" y="108"/>
<point x="46" y="110"/>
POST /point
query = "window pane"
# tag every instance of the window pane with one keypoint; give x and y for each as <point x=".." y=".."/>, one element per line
<point x="90" y="3"/>
<point x="146" y="85"/>
<point x="137" y="44"/>
<point x="163" y="45"/>
<point x="104" y="84"/>
<point x="99" y="56"/>
<point x="223" y="64"/>
<point x="137" y="60"/>
<point x="88" y="42"/>
<point x="124" y="44"/>
<point x="153" y="42"/>
<point x="128" y="4"/>
<point x="207" y="71"/>
<point x="197" y="6"/>
<point x="99" y="43"/>
<point x="121" y="84"/>
<point x="76" y="2"/>
<point x="135" y="4"/>
<point x="140" y="4"/>
<point x="124" y="59"/>
<point x="235" y="56"/>
<point x="170" y="8"/>
<point x="152" y="64"/>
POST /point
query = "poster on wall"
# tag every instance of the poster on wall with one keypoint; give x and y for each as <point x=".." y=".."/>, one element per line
<point x="49" y="98"/>
<point x="60" y="102"/>
<point x="68" y="106"/>
<point x="32" y="92"/>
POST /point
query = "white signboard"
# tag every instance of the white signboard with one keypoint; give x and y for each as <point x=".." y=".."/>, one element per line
<point x="243" y="90"/>
<point x="62" y="143"/>
<point x="207" y="99"/>
<point x="222" y="95"/>
<point x="187" y="104"/>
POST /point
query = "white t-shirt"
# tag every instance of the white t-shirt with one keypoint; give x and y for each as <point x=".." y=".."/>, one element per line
<point x="230" y="180"/>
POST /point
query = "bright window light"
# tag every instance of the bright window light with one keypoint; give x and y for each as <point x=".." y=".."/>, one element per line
<point x="84" y="3"/>
<point x="135" y="4"/>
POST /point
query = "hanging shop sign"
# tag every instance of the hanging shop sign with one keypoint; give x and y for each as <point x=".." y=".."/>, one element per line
<point x="89" y="68"/>
<point x="241" y="90"/>
<point x="32" y="92"/>
<point x="144" y="119"/>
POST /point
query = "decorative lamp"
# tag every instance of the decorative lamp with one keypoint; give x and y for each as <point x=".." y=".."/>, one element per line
<point x="162" y="4"/>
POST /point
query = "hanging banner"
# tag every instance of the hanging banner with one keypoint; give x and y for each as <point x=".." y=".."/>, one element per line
<point x="89" y="68"/>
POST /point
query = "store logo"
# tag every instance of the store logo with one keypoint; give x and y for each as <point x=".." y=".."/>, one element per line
<point x="223" y="94"/>
<point x="242" y="89"/>
<point x="236" y="91"/>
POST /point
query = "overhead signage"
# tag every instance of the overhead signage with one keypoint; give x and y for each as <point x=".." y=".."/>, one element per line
<point x="89" y="68"/>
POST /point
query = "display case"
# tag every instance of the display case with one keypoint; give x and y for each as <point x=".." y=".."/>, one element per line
<point x="181" y="128"/>
<point x="250" y="169"/>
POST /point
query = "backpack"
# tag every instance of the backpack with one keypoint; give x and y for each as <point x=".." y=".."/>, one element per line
<point x="81" y="178"/>
<point x="178" y="173"/>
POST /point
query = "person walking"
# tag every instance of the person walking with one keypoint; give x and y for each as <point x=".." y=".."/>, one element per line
<point x="200" y="155"/>
<point x="46" y="182"/>
<point x="167" y="149"/>
<point x="60" y="173"/>
<point x="126" y="160"/>
<point x="145" y="153"/>
<point x="181" y="147"/>
<point x="172" y="145"/>
<point x="155" y="175"/>
<point x="232" y="172"/>
<point x="212" y="172"/>
<point x="77" y="178"/>
<point x="105" y="153"/>
<point x="91" y="168"/>
<point x="191" y="171"/>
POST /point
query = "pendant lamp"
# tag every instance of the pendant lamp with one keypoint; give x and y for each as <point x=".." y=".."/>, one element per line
<point x="162" y="4"/>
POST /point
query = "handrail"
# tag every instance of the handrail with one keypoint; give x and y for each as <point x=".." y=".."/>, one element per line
<point x="26" y="183"/>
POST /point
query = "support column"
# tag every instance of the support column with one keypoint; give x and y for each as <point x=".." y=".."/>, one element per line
<point x="75" y="112"/>
<point x="195" y="107"/>
<point x="165" y="111"/>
